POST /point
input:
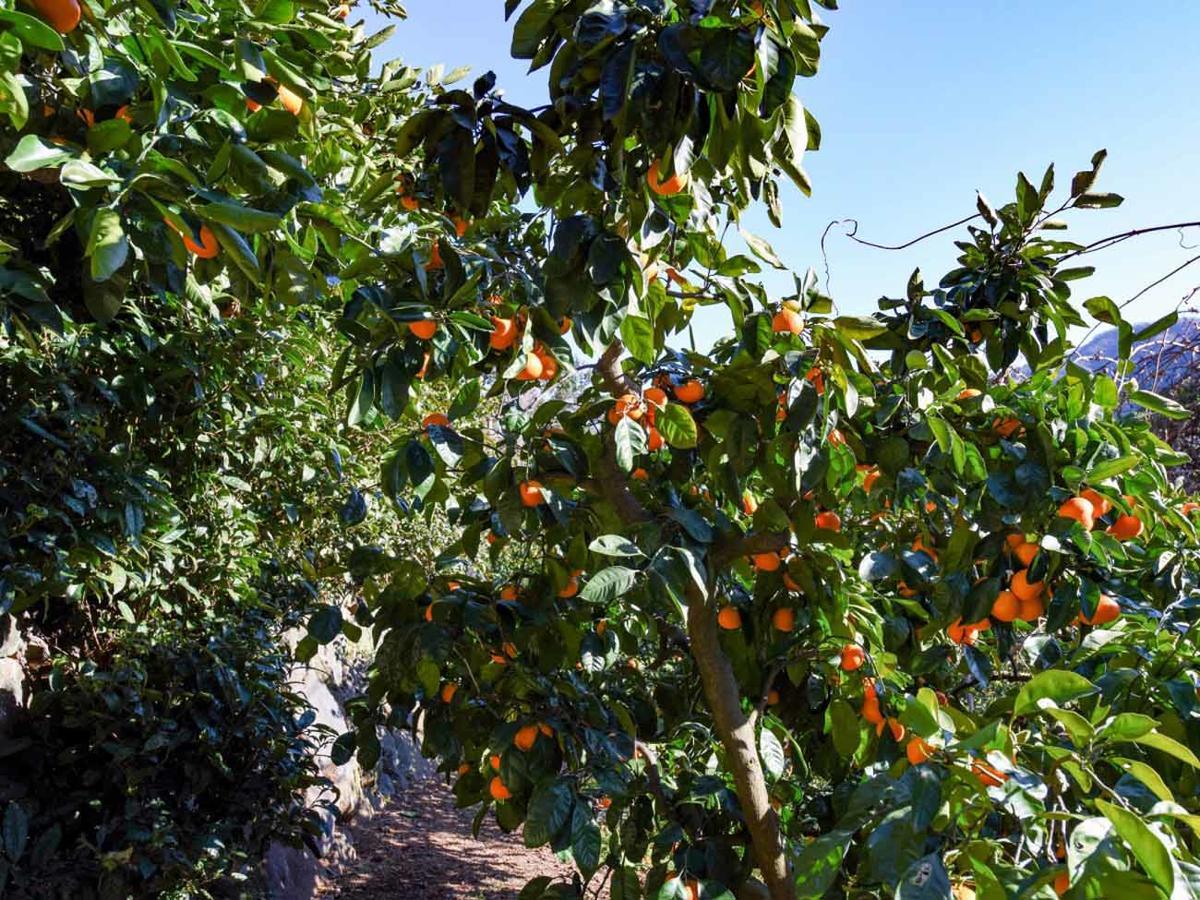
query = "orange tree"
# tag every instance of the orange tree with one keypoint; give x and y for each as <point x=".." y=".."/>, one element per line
<point x="845" y="604"/>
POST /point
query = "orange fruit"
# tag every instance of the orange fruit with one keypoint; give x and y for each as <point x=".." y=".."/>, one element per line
<point x="869" y="480"/>
<point x="897" y="730"/>
<point x="464" y="768"/>
<point x="1007" y="427"/>
<point x="252" y="105"/>
<point x="670" y="186"/>
<point x="767" y="562"/>
<point x="988" y="775"/>
<point x="510" y="649"/>
<point x="1188" y="508"/>
<point x="604" y="802"/>
<point x="749" y="504"/>
<point x="1021" y="586"/>
<point x="1062" y="882"/>
<point x="639" y="474"/>
<point x="729" y="618"/>
<point x="627" y="406"/>
<point x="654" y="439"/>
<point x="460" y="225"/>
<point x="787" y="321"/>
<point x="549" y="363"/>
<point x="509" y="592"/>
<point x="1031" y="610"/>
<point x="208" y="246"/>
<point x="828" y="521"/>
<point x="1007" y="607"/>
<point x="960" y="633"/>
<point x="410" y="203"/>
<point x="499" y="792"/>
<point x="124" y="114"/>
<point x="435" y="258"/>
<point x="1080" y="510"/>
<point x="1107" y="609"/>
<point x="968" y="394"/>
<point x="1101" y="505"/>
<point x="691" y="391"/>
<point x="816" y="378"/>
<point x="531" y="493"/>
<point x="571" y="588"/>
<point x="494" y="761"/>
<point x="918" y="750"/>
<point x="290" y="100"/>
<point x="565" y="325"/>
<point x="435" y="419"/>
<point x="784" y="619"/>
<point x="852" y="657"/>
<point x="772" y="697"/>
<point x="448" y="691"/>
<point x="870" y="709"/>
<point x="342" y="11"/>
<point x="545" y="729"/>
<point x="534" y="367"/>
<point x="504" y="333"/>
<point x="919" y="546"/>
<point x="61" y="15"/>
<point x="424" y="328"/>
<point x="525" y="738"/>
<point x="1126" y="527"/>
<point x="1026" y="552"/>
<point x="655" y="396"/>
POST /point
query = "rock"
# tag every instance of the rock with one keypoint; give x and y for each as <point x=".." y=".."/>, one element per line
<point x="12" y="688"/>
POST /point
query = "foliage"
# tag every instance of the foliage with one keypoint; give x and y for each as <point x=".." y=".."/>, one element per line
<point x="637" y="675"/>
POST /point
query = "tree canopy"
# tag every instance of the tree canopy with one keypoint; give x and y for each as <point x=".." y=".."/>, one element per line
<point x="896" y="604"/>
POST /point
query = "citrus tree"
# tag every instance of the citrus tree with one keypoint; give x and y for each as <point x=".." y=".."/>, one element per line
<point x="844" y="604"/>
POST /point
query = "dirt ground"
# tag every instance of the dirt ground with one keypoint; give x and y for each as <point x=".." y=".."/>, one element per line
<point x="420" y="848"/>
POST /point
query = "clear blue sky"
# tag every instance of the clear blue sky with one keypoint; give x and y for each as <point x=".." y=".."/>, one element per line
<point x="922" y="103"/>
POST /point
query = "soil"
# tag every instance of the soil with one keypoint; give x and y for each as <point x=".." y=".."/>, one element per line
<point x="420" y="847"/>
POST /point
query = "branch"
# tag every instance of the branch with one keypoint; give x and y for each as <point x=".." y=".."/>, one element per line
<point x="1105" y="242"/>
<point x="853" y="233"/>
<point x="608" y="367"/>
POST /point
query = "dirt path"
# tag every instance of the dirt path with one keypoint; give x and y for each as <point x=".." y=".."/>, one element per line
<point x="420" y="848"/>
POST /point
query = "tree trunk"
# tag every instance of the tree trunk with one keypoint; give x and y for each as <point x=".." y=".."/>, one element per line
<point x="736" y="731"/>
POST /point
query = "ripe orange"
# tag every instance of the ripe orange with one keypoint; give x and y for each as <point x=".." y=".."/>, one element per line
<point x="896" y="728"/>
<point x="534" y="367"/>
<point x="988" y="775"/>
<point x="1007" y="607"/>
<point x="61" y="15"/>
<point x="1080" y="510"/>
<point x="464" y="768"/>
<point x="1126" y="527"/>
<point x="525" y="738"/>
<point x="828" y="521"/>
<point x="654" y="439"/>
<point x="749" y="504"/>
<point x="494" y="761"/>
<point x="1031" y="610"/>
<point x="655" y="397"/>
<point x="460" y="225"/>
<point x="1006" y="428"/>
<point x="870" y="708"/>
<point x="531" y="493"/>
<point x="549" y="363"/>
<point x="1101" y="505"/>
<point x="626" y="406"/>
<point x="424" y="328"/>
<point x="836" y="438"/>
<point x="564" y="326"/>
<point x="1021" y="586"/>
<point x="767" y="562"/>
<point x="1062" y="882"/>
<point x="639" y="474"/>
<point x="772" y="697"/>
<point x="671" y="186"/>
<point x="962" y="634"/>
<point x="342" y="11"/>
<point x="290" y="100"/>
<point x="919" y="546"/>
<point x="968" y="394"/>
<point x="499" y="792"/>
<point x="691" y="391"/>
<point x="448" y="691"/>
<point x="435" y="258"/>
<point x="1107" y="609"/>
<point x="208" y="246"/>
<point x="510" y="649"/>
<point x="852" y="657"/>
<point x="816" y="378"/>
<point x="918" y="750"/>
<point x="729" y="618"/>
<point x="1014" y="541"/>
<point x="1188" y="508"/>
<point x="504" y="333"/>
<point x="408" y="202"/>
<point x="1026" y="552"/>
<point x="571" y="588"/>
<point x="784" y="619"/>
<point x="869" y="479"/>
<point x="435" y="419"/>
<point x="787" y="321"/>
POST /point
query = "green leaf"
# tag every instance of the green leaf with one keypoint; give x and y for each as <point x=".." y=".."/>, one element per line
<point x="1147" y="847"/>
<point x="235" y="215"/>
<point x="637" y="333"/>
<point x="762" y="249"/>
<point x="926" y="879"/>
<point x="629" y="440"/>
<point x="549" y="808"/>
<point x="16" y="831"/>
<point x="531" y="28"/>
<point x="33" y="153"/>
<point x="677" y="426"/>
<point x="1169" y="746"/>
<point x="1057" y="686"/>
<point x="1146" y="775"/>
<point x="1112" y="467"/>
<point x="615" y="545"/>
<point x="33" y="31"/>
<point x="13" y="101"/>
<point x="1157" y="403"/>
<point x="609" y="584"/>
<point x="1127" y="727"/>
<point x="585" y="840"/>
<point x="771" y="750"/>
<point x="859" y="328"/>
<point x="325" y="624"/>
<point x="625" y="884"/>
<point x="108" y="247"/>
<point x="1099" y="201"/>
<point x="845" y="723"/>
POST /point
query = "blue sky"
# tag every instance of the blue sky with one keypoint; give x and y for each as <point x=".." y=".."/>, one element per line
<point x="922" y="103"/>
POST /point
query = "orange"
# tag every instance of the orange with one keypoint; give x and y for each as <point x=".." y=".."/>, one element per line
<point x="208" y="246"/>
<point x="691" y="391"/>
<point x="784" y="619"/>
<point x="896" y="728"/>
<point x="525" y="738"/>
<point x="1026" y="552"/>
<point x="1107" y="609"/>
<point x="816" y="378"/>
<point x="509" y="592"/>
<point x="627" y="406"/>
<point x="604" y="802"/>
<point x="639" y="474"/>
<point x="1188" y="508"/>
<point x="61" y="15"/>
<point x="1062" y="882"/>
<point x="1080" y="510"/>
<point x="870" y="708"/>
<point x="498" y="791"/>
<point x="531" y="493"/>
<point x="448" y="692"/>
<point x="429" y="613"/>
<point x="571" y="588"/>
<point x="1007" y="607"/>
<point x="1101" y="505"/>
<point x="960" y="633"/>
<point x="410" y="203"/>
<point x="435" y="419"/>
<point x="124" y="114"/>
<point x="787" y="321"/>
<point x="968" y="394"/>
<point x="989" y="776"/>
<point x="290" y="100"/>
<point x="1014" y="541"/>
<point x="342" y="11"/>
<point x="545" y="729"/>
<point x="869" y="480"/>
<point x="790" y="583"/>
<point x="504" y="333"/>
<point x="772" y="697"/>
<point x="766" y="562"/>
<point x="1126" y="527"/>
<point x="460" y="225"/>
<point x="494" y="760"/>
<point x="852" y="658"/>
<point x="655" y="396"/>
<point x="464" y="768"/>
<point x="252" y="105"/>
<point x="435" y="258"/>
<point x="424" y="328"/>
<point x="1021" y="586"/>
<point x="749" y="504"/>
<point x="534" y="367"/>
<point x="510" y="649"/>
<point x="919" y="546"/>
<point x="729" y="618"/>
<point x="549" y="363"/>
<point x="654" y="439"/>
<point x="671" y="186"/>
<point x="1006" y="428"/>
<point x="1031" y="610"/>
<point x="918" y="750"/>
<point x="828" y="521"/>
<point x="565" y="325"/>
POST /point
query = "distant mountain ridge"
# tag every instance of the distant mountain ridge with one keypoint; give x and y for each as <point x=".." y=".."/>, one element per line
<point x="1161" y="362"/>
